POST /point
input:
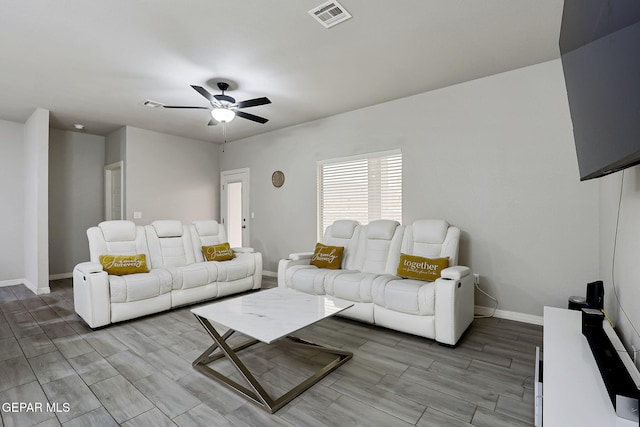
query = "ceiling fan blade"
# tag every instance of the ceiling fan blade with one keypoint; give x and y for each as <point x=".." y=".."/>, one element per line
<point x="202" y="91"/>
<point x="254" y="102"/>
<point x="251" y="117"/>
<point x="181" y="106"/>
<point x="226" y="98"/>
<point x="212" y="122"/>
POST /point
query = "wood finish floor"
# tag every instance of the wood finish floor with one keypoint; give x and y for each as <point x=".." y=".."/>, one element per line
<point x="139" y="373"/>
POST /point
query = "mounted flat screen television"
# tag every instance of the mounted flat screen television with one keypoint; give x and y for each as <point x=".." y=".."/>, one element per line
<point x="600" y="51"/>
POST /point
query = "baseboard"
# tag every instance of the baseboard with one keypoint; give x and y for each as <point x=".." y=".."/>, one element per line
<point x="36" y="290"/>
<point x="60" y="276"/>
<point x="269" y="273"/>
<point x="13" y="282"/>
<point x="509" y="315"/>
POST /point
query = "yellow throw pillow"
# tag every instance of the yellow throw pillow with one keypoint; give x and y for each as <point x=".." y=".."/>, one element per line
<point x="221" y="252"/>
<point x="327" y="256"/>
<point x="119" y="265"/>
<point x="415" y="267"/>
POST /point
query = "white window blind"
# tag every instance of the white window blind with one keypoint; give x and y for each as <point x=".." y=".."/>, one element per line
<point x="364" y="188"/>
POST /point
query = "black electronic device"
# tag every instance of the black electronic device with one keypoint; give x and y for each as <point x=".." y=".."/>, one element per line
<point x="599" y="42"/>
<point x="619" y="375"/>
<point x="591" y="321"/>
<point x="595" y="295"/>
<point x="577" y="302"/>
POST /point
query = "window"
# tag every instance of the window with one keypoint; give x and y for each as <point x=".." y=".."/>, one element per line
<point x="364" y="188"/>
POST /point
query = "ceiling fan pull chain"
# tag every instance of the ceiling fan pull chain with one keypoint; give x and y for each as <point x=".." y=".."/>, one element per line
<point x="224" y="135"/>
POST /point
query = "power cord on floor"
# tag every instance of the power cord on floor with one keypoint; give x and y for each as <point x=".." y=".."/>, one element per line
<point x="495" y="307"/>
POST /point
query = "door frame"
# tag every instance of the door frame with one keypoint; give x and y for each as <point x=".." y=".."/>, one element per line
<point x="109" y="170"/>
<point x="236" y="175"/>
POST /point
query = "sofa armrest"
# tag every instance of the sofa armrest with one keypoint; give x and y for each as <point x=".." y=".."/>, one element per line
<point x="454" y="304"/>
<point x="243" y="250"/>
<point x="286" y="264"/>
<point x="89" y="267"/>
<point x="300" y="255"/>
<point x="456" y="272"/>
<point x="91" y="294"/>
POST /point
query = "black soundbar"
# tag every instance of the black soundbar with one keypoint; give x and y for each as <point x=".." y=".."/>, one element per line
<point x="621" y="385"/>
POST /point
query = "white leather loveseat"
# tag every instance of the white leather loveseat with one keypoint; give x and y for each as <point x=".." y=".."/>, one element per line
<point x="178" y="273"/>
<point x="440" y="309"/>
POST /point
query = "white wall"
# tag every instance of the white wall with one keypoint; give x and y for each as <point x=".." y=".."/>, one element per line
<point x="12" y="200"/>
<point x="116" y="151"/>
<point x="36" y="226"/>
<point x="116" y="146"/>
<point x="624" y="192"/>
<point x="493" y="156"/>
<point x="170" y="177"/>
<point x="76" y="196"/>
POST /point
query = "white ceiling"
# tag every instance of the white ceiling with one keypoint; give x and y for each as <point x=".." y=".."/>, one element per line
<point x="94" y="62"/>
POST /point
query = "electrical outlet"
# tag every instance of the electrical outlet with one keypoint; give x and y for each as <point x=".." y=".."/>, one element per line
<point x="476" y="279"/>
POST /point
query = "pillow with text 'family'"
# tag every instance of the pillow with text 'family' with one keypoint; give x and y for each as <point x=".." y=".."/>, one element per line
<point x="327" y="256"/>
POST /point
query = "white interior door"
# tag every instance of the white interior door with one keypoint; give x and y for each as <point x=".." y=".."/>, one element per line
<point x="114" y="195"/>
<point x="234" y="206"/>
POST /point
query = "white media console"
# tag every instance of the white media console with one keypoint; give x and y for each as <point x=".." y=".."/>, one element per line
<point x="574" y="393"/>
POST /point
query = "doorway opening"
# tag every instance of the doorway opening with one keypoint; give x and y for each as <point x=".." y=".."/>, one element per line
<point x="114" y="195"/>
<point x="234" y="206"/>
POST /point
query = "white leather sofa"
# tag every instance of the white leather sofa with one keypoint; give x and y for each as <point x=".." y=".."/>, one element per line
<point x="178" y="273"/>
<point x="440" y="310"/>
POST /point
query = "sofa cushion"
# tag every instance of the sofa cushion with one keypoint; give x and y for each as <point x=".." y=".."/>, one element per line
<point x="378" y="247"/>
<point x="240" y="267"/>
<point x="432" y="238"/>
<point x="194" y="275"/>
<point x="118" y="231"/>
<point x="381" y="229"/>
<point x="221" y="252"/>
<point x="309" y="278"/>
<point x="118" y="237"/>
<point x="351" y="286"/>
<point x="430" y="230"/>
<point x="208" y="228"/>
<point x="325" y="256"/>
<point x="420" y="268"/>
<point x="407" y="296"/>
<point x="170" y="244"/>
<point x="121" y="265"/>
<point x="206" y="233"/>
<point x="136" y="287"/>
<point x="345" y="233"/>
<point x="344" y="228"/>
<point x="167" y="228"/>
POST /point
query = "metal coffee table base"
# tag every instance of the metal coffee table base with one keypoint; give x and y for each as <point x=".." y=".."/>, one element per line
<point x="256" y="393"/>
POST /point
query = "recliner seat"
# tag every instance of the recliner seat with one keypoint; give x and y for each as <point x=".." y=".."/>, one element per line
<point x="178" y="273"/>
<point x="440" y="310"/>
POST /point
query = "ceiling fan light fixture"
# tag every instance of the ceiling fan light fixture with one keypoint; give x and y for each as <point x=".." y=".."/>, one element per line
<point x="223" y="115"/>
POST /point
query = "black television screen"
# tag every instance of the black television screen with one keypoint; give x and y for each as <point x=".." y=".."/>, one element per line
<point x="600" y="51"/>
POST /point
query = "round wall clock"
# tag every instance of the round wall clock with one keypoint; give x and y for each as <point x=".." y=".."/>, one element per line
<point x="277" y="179"/>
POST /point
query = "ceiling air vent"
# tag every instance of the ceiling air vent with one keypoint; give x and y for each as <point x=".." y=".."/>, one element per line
<point x="330" y="13"/>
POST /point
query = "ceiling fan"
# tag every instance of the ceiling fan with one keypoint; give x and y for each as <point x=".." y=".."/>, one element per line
<point x="225" y="108"/>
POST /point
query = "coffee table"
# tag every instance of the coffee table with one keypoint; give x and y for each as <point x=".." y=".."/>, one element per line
<point x="266" y="316"/>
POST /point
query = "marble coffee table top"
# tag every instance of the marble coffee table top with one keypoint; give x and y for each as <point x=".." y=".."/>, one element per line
<point x="271" y="314"/>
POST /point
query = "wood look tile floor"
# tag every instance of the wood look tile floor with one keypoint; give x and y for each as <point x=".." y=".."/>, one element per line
<point x="139" y="373"/>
